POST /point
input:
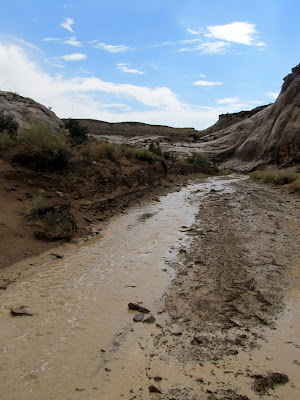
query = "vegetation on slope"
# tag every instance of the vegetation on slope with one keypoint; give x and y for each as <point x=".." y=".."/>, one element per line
<point x="278" y="178"/>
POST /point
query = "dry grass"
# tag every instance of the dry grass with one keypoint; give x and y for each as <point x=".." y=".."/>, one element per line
<point x="42" y="150"/>
<point x="6" y="141"/>
<point x="116" y="152"/>
<point x="39" y="138"/>
<point x="275" y="177"/>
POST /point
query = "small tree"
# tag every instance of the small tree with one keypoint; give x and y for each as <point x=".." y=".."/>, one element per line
<point x="78" y="133"/>
<point x="8" y="124"/>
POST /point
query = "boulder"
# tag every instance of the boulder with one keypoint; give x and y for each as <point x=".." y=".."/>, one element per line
<point x="27" y="111"/>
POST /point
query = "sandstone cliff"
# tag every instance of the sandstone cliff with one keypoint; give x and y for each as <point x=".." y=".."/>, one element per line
<point x="27" y="111"/>
<point x="228" y="119"/>
<point x="270" y="136"/>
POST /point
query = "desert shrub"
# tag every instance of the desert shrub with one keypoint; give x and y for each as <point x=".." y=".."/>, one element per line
<point x="37" y="202"/>
<point x="6" y="141"/>
<point x="195" y="137"/>
<point x="54" y="222"/>
<point x="78" y="133"/>
<point x="106" y="151"/>
<point x="170" y="157"/>
<point x="155" y="149"/>
<point x="129" y="152"/>
<point x="40" y="138"/>
<point x="115" y="152"/>
<point x="197" y="159"/>
<point x="8" y="123"/>
<point x="275" y="177"/>
<point x="148" y="156"/>
<point x="43" y="150"/>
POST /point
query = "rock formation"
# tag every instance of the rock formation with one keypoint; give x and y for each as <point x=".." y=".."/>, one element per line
<point x="27" y="111"/>
<point x="270" y="136"/>
<point x="242" y="141"/>
<point x="130" y="129"/>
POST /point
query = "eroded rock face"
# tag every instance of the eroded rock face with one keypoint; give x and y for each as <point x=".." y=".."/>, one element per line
<point x="27" y="111"/>
<point x="270" y="136"/>
<point x="228" y="119"/>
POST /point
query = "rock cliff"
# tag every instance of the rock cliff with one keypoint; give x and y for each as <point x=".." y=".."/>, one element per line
<point x="27" y="111"/>
<point x="270" y="136"/>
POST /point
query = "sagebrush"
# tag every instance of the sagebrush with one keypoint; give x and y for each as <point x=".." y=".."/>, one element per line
<point x="42" y="149"/>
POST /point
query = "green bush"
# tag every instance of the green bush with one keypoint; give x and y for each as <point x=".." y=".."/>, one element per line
<point x="115" y="152"/>
<point x="170" y="156"/>
<point x="6" y="141"/>
<point x="43" y="150"/>
<point x="78" y="133"/>
<point x="275" y="177"/>
<point x="155" y="149"/>
<point x="197" y="159"/>
<point x="195" y="137"/>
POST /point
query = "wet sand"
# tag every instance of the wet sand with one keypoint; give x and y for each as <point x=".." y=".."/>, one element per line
<point x="227" y="261"/>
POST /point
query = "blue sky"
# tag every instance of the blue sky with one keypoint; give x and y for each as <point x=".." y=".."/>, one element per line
<point x="171" y="62"/>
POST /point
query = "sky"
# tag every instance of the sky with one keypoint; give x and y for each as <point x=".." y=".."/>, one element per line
<point x="169" y="62"/>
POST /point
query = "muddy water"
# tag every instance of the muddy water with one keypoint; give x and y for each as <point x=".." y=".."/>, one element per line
<point x="80" y="302"/>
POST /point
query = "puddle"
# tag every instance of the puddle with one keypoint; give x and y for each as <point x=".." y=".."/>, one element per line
<point x="80" y="301"/>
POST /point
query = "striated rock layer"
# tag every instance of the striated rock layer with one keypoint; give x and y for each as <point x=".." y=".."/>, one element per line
<point x="270" y="136"/>
<point x="27" y="111"/>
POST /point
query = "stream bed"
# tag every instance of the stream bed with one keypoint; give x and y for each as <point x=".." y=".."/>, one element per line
<point x="81" y="341"/>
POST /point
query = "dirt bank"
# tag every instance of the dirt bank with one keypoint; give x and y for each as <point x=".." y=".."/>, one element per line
<point x="87" y="196"/>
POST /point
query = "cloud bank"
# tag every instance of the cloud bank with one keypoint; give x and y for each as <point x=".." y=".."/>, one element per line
<point x="78" y="97"/>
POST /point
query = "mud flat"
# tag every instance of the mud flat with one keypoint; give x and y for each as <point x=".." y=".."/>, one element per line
<point x="216" y="264"/>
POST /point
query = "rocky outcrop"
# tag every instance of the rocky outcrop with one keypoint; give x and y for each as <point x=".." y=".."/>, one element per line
<point x="270" y="136"/>
<point x="130" y="129"/>
<point x="228" y="119"/>
<point x="27" y="111"/>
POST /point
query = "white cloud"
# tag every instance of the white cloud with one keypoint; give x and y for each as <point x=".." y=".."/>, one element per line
<point x="237" y="32"/>
<point x="68" y="24"/>
<point x="123" y="67"/>
<point x="73" y="57"/>
<point x="191" y="40"/>
<point x="112" y="48"/>
<point x="228" y="100"/>
<point x="73" y="42"/>
<point x="203" y="76"/>
<point x="221" y="38"/>
<point x="18" y="73"/>
<point x="49" y="39"/>
<point x="193" y="32"/>
<point x="207" y="83"/>
<point x="218" y="47"/>
<point x="79" y="97"/>
<point x="272" y="95"/>
<point x="27" y="44"/>
<point x="54" y="64"/>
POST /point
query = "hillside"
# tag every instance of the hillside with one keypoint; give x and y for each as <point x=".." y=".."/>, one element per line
<point x="26" y="111"/>
<point x="131" y="129"/>
<point x="270" y="136"/>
